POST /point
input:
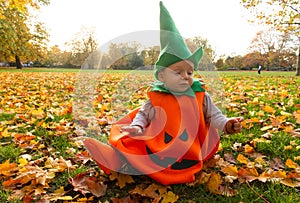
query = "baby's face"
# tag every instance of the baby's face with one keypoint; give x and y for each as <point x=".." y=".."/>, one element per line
<point x="178" y="77"/>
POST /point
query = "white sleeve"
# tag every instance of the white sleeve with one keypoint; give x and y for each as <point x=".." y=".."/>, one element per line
<point x="144" y="115"/>
<point x="212" y="113"/>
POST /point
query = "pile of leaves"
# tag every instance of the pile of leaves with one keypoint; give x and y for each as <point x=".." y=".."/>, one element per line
<point x="44" y="118"/>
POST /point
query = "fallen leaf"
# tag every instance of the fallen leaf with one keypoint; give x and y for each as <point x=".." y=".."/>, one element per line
<point x="230" y="170"/>
<point x="7" y="168"/>
<point x="242" y="159"/>
<point x="290" y="182"/>
<point x="291" y="164"/>
<point x="169" y="197"/>
<point x="86" y="185"/>
<point x="214" y="182"/>
<point x="122" y="179"/>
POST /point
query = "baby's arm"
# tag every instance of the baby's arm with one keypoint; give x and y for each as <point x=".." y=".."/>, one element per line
<point x="215" y="117"/>
<point x="141" y="120"/>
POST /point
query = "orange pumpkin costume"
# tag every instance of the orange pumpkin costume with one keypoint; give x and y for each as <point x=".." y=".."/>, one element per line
<point x="173" y="146"/>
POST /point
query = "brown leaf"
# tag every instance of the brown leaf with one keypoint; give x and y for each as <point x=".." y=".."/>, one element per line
<point x="276" y="164"/>
<point x="227" y="191"/>
<point x="123" y="200"/>
<point x="86" y="185"/>
<point x="290" y="182"/>
<point x="200" y="178"/>
<point x="230" y="158"/>
<point x="296" y="133"/>
<point x="153" y="191"/>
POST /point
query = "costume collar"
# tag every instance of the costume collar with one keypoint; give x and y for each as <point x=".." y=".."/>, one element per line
<point x="197" y="86"/>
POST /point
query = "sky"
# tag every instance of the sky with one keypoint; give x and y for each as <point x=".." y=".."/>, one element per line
<point x="222" y="22"/>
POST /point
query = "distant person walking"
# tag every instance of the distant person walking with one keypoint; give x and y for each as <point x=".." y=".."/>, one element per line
<point x="259" y="69"/>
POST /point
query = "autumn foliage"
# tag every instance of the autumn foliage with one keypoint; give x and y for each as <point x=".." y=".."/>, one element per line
<point x="42" y="157"/>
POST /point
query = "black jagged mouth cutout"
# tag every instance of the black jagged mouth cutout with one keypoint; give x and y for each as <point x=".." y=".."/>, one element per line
<point x="168" y="161"/>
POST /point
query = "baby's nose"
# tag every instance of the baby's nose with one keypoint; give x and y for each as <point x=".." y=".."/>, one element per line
<point x="184" y="75"/>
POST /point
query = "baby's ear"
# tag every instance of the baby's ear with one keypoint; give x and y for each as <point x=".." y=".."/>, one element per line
<point x="160" y="76"/>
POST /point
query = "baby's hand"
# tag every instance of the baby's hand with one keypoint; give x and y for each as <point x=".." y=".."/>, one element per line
<point x="134" y="130"/>
<point x="234" y="125"/>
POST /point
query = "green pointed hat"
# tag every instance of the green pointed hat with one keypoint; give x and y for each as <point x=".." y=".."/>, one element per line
<point x="172" y="46"/>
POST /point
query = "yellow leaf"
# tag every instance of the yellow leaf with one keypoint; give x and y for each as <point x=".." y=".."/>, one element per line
<point x="241" y="158"/>
<point x="255" y="100"/>
<point x="121" y="178"/>
<point x="266" y="128"/>
<point x="278" y="174"/>
<point x="5" y="133"/>
<point x="22" y="162"/>
<point x="39" y="113"/>
<point x="283" y="113"/>
<point x="214" y="183"/>
<point x="289" y="147"/>
<point x="230" y="170"/>
<point x="170" y="197"/>
<point x="65" y="198"/>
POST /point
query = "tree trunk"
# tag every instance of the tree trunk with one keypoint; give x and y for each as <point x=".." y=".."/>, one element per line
<point x="298" y="63"/>
<point x="18" y="62"/>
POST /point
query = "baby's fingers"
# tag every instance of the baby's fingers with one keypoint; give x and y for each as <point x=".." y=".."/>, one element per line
<point x="237" y="126"/>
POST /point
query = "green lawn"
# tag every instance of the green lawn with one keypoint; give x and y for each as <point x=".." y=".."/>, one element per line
<point x="38" y="136"/>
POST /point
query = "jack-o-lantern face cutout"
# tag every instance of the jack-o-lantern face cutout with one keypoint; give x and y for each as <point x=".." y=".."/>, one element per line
<point x="171" y="162"/>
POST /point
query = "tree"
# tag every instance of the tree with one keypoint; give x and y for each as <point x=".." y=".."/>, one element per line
<point x="125" y="55"/>
<point x="150" y="55"/>
<point x="209" y="53"/>
<point x="253" y="60"/>
<point x="274" y="46"/>
<point x="219" y="64"/>
<point x="21" y="36"/>
<point x="83" y="45"/>
<point x="283" y="15"/>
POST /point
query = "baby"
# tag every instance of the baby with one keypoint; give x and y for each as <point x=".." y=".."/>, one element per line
<point x="174" y="132"/>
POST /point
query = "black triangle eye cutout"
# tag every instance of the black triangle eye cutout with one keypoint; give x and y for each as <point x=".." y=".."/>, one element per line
<point x="184" y="136"/>
<point x="168" y="138"/>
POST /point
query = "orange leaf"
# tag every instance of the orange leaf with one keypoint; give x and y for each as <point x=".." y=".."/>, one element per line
<point x="248" y="173"/>
<point x="7" y="169"/>
<point x="249" y="149"/>
<point x="269" y="109"/>
<point x="289" y="163"/>
<point x="9" y="182"/>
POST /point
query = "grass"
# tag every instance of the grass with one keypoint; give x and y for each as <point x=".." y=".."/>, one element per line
<point x="243" y="93"/>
